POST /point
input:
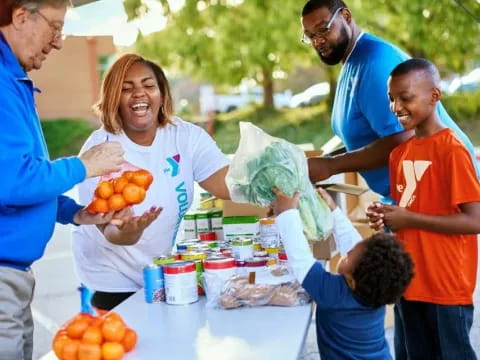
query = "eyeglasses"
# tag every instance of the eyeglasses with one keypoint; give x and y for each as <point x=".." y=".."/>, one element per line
<point x="56" y="29"/>
<point x="321" y="33"/>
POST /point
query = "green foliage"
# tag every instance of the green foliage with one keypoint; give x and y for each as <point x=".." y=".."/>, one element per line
<point x="464" y="107"/>
<point x="225" y="43"/>
<point x="65" y="137"/>
<point x="435" y="29"/>
<point x="299" y="126"/>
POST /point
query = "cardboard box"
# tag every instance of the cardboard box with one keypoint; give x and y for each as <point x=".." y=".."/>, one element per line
<point x="231" y="208"/>
<point x="324" y="250"/>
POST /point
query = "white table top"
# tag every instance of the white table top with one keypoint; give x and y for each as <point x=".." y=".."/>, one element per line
<point x="189" y="332"/>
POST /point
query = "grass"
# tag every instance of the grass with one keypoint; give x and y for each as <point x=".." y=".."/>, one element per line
<point x="65" y="137"/>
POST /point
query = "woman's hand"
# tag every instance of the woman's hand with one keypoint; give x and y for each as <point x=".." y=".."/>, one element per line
<point x="126" y="229"/>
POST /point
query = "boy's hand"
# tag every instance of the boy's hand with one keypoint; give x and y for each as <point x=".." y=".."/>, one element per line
<point x="375" y="215"/>
<point x="283" y="202"/>
<point x="327" y="198"/>
<point x="396" y="217"/>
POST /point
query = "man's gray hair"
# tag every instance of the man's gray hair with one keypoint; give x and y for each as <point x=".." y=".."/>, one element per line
<point x="8" y="6"/>
<point x="35" y="5"/>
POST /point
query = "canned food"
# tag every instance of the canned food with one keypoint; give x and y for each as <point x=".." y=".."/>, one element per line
<point x="194" y="255"/>
<point x="164" y="259"/>
<point x="224" y="268"/>
<point x="260" y="254"/>
<point x="153" y="283"/>
<point x="180" y="283"/>
<point x="255" y="262"/>
<point x="242" y="248"/>
<point x="271" y="261"/>
<point x="257" y="246"/>
<point x="282" y="257"/>
<point x="207" y="236"/>
<point x="272" y="252"/>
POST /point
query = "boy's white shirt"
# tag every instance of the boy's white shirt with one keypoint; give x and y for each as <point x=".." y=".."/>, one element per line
<point x="298" y="251"/>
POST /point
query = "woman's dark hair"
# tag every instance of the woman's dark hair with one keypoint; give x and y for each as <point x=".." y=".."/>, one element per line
<point x="384" y="270"/>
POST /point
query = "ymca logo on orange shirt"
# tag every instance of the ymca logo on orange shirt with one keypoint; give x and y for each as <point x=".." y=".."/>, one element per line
<point x="413" y="172"/>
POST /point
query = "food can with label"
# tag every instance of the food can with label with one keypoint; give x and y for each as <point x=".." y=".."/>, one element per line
<point x="255" y="264"/>
<point x="282" y="257"/>
<point x="242" y="248"/>
<point x="153" y="283"/>
<point x="180" y="283"/>
<point x="164" y="259"/>
<point x="224" y="268"/>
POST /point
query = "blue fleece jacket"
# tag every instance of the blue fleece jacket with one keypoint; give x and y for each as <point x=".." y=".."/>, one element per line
<point x="30" y="184"/>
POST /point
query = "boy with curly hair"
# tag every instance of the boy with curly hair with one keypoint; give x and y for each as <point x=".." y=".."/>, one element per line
<point x="433" y="181"/>
<point x="350" y="310"/>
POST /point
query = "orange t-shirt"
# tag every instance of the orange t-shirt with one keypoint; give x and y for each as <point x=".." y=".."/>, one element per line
<point x="433" y="175"/>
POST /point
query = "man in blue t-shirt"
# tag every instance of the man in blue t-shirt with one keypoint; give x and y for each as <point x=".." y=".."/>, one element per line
<point x="361" y="115"/>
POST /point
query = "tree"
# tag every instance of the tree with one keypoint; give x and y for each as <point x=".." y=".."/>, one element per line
<point x="438" y="30"/>
<point x="226" y="41"/>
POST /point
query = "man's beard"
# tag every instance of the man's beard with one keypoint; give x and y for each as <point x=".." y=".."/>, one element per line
<point x="338" y="51"/>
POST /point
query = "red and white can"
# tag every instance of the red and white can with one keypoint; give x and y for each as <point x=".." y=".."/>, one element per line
<point x="180" y="283"/>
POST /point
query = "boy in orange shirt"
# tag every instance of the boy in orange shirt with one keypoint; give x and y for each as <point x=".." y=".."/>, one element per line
<point x="433" y="181"/>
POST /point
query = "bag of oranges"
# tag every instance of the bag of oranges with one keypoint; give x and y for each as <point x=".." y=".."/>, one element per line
<point x="87" y="337"/>
<point x="120" y="189"/>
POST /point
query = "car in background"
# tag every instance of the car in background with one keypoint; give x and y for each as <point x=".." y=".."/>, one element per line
<point x="311" y="95"/>
<point x="465" y="83"/>
<point x="211" y="101"/>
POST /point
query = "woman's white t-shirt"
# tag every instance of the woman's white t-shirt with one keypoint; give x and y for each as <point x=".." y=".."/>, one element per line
<point x="179" y="155"/>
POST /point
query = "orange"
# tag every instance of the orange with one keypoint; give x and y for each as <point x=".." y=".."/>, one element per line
<point x="59" y="343"/>
<point x="98" y="206"/>
<point x="119" y="183"/>
<point x="93" y="335"/>
<point x="129" y="340"/>
<point x="133" y="194"/>
<point x="113" y="329"/>
<point x="128" y="175"/>
<point x="116" y="202"/>
<point x="70" y="349"/>
<point x="142" y="178"/>
<point x="112" y="351"/>
<point x="76" y="329"/>
<point x="96" y="322"/>
<point x="113" y="316"/>
<point x="104" y="190"/>
<point x="89" y="352"/>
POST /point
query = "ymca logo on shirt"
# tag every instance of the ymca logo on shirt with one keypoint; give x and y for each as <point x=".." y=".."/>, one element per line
<point x="174" y="165"/>
<point x="413" y="172"/>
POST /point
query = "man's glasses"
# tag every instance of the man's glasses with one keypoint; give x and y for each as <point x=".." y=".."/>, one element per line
<point x="56" y="29"/>
<point x="321" y="33"/>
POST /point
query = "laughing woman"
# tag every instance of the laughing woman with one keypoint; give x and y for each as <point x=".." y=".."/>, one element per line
<point x="135" y="109"/>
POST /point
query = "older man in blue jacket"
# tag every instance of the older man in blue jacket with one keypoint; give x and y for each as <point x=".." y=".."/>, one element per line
<point x="30" y="183"/>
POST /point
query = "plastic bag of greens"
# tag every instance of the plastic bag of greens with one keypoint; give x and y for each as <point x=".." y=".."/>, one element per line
<point x="263" y="162"/>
